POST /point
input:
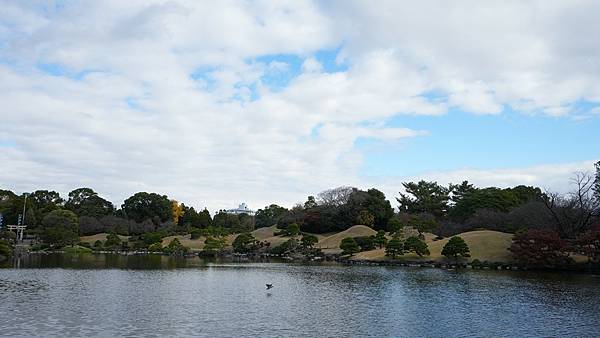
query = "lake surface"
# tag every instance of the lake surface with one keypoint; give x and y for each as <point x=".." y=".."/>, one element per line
<point x="146" y="296"/>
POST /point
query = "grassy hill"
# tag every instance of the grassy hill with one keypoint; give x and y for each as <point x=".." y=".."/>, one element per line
<point x="331" y="244"/>
<point x="99" y="237"/>
<point x="485" y="245"/>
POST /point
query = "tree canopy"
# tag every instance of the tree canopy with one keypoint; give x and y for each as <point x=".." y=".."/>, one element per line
<point x="424" y="197"/>
<point x="455" y="247"/>
<point x="143" y="205"/>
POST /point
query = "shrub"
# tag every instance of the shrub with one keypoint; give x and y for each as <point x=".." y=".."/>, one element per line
<point x="308" y="241"/>
<point x="417" y="246"/>
<point x="112" y="240"/>
<point x="365" y="242"/>
<point x="394" y="247"/>
<point x="349" y="246"/>
<point x="540" y="249"/>
<point x="196" y="233"/>
<point x="245" y="243"/>
<point x="380" y="239"/>
<point x="175" y="248"/>
<point x="455" y="247"/>
<point x="156" y="247"/>
<point x="98" y="244"/>
<point x="5" y="249"/>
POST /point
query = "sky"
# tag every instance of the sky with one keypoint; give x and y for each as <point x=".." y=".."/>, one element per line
<point x="214" y="103"/>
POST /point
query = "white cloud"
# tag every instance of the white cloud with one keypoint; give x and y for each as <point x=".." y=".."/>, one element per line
<point x="129" y="116"/>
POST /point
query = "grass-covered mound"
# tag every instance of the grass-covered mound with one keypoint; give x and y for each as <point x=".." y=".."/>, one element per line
<point x="76" y="250"/>
<point x="484" y="245"/>
<point x="332" y="243"/>
<point x="99" y="237"/>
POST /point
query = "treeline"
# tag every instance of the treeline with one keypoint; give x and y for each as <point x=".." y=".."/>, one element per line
<point x="59" y="221"/>
<point x="549" y="227"/>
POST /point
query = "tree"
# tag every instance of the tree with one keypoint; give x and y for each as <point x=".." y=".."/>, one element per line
<point x="424" y="197"/>
<point x="394" y="225"/>
<point x="112" y="240"/>
<point x="86" y="202"/>
<point x="156" y="247"/>
<point x="488" y="198"/>
<point x="142" y="206"/>
<point x="349" y="246"/>
<point x="597" y="182"/>
<point x="292" y="230"/>
<point x="414" y="244"/>
<point x="455" y="247"/>
<point x="459" y="191"/>
<point x="367" y="204"/>
<point x="213" y="245"/>
<point x="365" y="243"/>
<point x="540" y="249"/>
<point x="336" y="196"/>
<point x="89" y="226"/>
<point x="308" y="241"/>
<point x="588" y="244"/>
<point x="269" y="216"/>
<point x="310" y="202"/>
<point x="394" y="247"/>
<point x="5" y="249"/>
<point x="45" y="201"/>
<point x="365" y="218"/>
<point x="245" y="243"/>
<point x="176" y="211"/>
<point x="573" y="214"/>
<point x="422" y="223"/>
<point x="175" y="248"/>
<point x="380" y="239"/>
<point x="204" y="219"/>
<point x="60" y="228"/>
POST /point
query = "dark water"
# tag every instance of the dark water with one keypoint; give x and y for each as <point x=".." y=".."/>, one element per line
<point x="156" y="296"/>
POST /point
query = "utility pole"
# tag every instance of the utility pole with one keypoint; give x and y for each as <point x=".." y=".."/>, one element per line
<point x="24" y="205"/>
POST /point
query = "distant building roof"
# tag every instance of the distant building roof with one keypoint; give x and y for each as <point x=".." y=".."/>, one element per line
<point x="241" y="209"/>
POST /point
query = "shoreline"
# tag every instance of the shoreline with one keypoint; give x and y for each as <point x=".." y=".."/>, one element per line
<point x="240" y="258"/>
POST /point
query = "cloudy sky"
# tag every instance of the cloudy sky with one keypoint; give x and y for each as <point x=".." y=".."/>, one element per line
<point x="216" y="103"/>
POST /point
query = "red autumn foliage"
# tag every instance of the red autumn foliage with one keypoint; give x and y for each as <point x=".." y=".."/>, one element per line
<point x="540" y="249"/>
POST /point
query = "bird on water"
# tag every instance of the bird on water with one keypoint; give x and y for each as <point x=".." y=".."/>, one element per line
<point x="269" y="286"/>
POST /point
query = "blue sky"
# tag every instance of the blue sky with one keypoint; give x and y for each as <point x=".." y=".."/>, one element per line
<point x="226" y="102"/>
<point x="462" y="140"/>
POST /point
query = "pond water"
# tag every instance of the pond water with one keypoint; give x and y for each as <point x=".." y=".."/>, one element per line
<point x="145" y="296"/>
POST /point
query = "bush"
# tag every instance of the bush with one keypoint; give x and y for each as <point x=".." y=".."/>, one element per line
<point x="98" y="244"/>
<point x="156" y="247"/>
<point x="365" y="243"/>
<point x="414" y="244"/>
<point x="85" y="244"/>
<point x="380" y="239"/>
<point x="308" y="241"/>
<point x="476" y="263"/>
<point x="196" y="233"/>
<point x="349" y="246"/>
<point x="394" y="247"/>
<point x="112" y="240"/>
<point x="455" y="247"/>
<point x="245" y="243"/>
<point x="175" y="248"/>
<point x="5" y="249"/>
<point x="540" y="249"/>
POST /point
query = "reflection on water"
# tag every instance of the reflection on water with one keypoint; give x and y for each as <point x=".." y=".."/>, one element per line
<point x="107" y="295"/>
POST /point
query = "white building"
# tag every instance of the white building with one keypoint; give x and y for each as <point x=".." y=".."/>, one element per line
<point x="242" y="209"/>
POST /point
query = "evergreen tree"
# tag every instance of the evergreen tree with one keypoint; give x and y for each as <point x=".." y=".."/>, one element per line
<point x="455" y="247"/>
